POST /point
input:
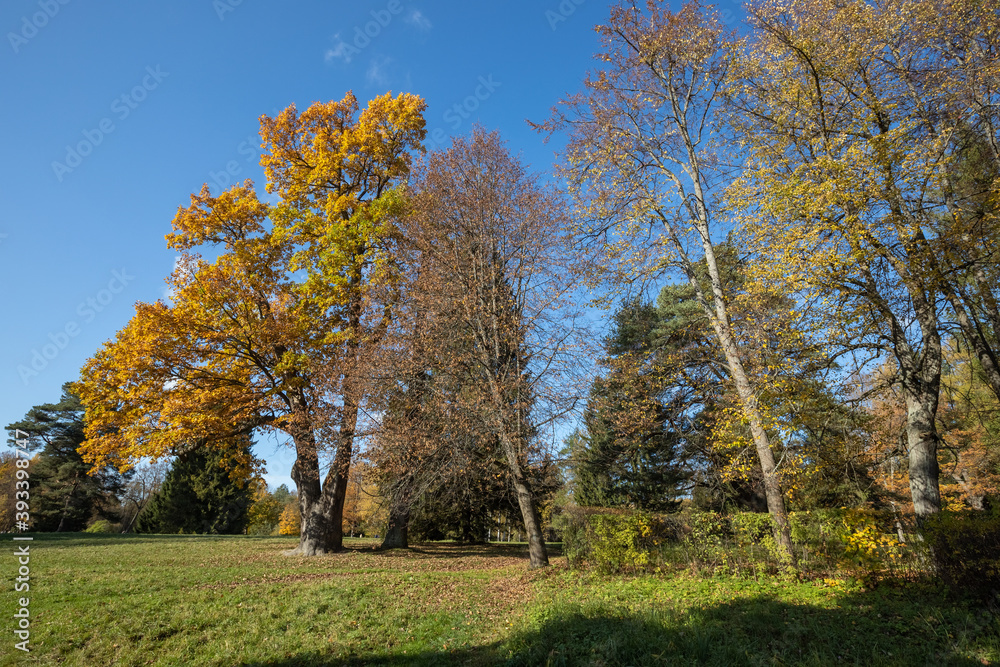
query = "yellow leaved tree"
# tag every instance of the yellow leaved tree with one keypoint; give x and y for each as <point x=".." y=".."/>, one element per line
<point x="274" y="333"/>
<point x="859" y="117"/>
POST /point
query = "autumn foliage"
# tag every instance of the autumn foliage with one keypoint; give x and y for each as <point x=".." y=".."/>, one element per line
<point x="272" y="334"/>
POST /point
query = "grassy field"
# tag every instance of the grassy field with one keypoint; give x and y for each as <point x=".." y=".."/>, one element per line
<point x="186" y="600"/>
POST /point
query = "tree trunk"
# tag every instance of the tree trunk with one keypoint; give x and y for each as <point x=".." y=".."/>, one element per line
<point x="772" y="486"/>
<point x="920" y="375"/>
<point x="718" y="315"/>
<point x="921" y="440"/>
<point x="396" y="535"/>
<point x="537" y="554"/>
<point x="316" y="535"/>
<point x="66" y="506"/>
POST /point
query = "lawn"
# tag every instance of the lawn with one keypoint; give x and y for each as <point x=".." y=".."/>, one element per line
<point x="197" y="600"/>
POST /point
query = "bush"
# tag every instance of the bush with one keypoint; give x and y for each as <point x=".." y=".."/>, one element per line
<point x="862" y="543"/>
<point x="965" y="548"/>
<point x="614" y="540"/>
<point x="620" y="542"/>
<point x="101" y="526"/>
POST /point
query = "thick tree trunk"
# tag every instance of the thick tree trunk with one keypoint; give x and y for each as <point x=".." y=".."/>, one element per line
<point x="921" y="440"/>
<point x="537" y="554"/>
<point x="322" y="506"/>
<point x="396" y="536"/>
<point x="316" y="535"/>
<point x="920" y="374"/>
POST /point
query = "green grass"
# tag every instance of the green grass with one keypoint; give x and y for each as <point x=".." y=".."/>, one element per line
<point x="186" y="600"/>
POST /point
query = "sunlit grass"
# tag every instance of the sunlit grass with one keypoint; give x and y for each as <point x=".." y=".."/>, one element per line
<point x="185" y="600"/>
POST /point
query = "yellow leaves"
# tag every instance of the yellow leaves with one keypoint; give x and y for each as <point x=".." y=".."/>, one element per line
<point x="291" y="287"/>
<point x="290" y="521"/>
<point x="232" y="217"/>
<point x="328" y="157"/>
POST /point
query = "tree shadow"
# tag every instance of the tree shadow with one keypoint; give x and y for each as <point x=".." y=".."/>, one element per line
<point x="864" y="629"/>
<point x="466" y="550"/>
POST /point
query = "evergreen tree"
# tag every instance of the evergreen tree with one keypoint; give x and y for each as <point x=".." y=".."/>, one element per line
<point x="199" y="495"/>
<point x="65" y="496"/>
<point x="634" y="434"/>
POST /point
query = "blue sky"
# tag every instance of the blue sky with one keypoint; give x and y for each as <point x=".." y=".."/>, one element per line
<point x="114" y="112"/>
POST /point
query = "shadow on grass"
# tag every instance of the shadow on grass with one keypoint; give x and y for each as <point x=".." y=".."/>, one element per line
<point x="465" y="550"/>
<point x="866" y="629"/>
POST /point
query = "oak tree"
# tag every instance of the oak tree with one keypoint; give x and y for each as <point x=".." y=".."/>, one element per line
<point x="274" y="332"/>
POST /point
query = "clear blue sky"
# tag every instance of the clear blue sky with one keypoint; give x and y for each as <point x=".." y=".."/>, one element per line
<point x="113" y="112"/>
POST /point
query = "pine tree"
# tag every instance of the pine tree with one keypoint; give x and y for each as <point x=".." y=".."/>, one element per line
<point x="628" y="454"/>
<point x="65" y="496"/>
<point x="199" y="495"/>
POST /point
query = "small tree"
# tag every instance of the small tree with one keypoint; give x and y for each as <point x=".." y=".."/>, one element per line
<point x="290" y="522"/>
<point x="265" y="511"/>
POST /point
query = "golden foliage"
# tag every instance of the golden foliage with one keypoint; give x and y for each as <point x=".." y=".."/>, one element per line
<point x="241" y="342"/>
<point x="290" y="522"/>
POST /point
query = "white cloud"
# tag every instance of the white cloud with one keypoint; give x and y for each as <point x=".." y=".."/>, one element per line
<point x="377" y="70"/>
<point x="341" y="50"/>
<point x="417" y="18"/>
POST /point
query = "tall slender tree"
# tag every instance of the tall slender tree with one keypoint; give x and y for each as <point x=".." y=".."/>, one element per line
<point x="647" y="156"/>
<point x="493" y="261"/>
